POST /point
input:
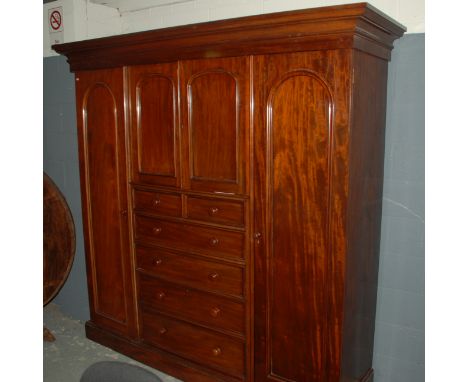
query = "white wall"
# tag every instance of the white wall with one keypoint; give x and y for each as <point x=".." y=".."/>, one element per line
<point x="82" y="20"/>
<point x="85" y="20"/>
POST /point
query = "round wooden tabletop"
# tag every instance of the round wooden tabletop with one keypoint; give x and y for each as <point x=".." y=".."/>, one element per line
<point x="59" y="240"/>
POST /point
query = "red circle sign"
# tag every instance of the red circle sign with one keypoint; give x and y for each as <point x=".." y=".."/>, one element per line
<point x="55" y="20"/>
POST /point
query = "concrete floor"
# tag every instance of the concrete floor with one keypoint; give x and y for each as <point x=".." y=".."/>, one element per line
<point x="72" y="353"/>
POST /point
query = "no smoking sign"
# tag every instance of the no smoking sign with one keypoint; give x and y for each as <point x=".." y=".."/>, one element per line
<point x="55" y="20"/>
<point x="56" y="25"/>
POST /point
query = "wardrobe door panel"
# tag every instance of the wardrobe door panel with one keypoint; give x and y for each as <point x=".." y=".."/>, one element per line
<point x="154" y="133"/>
<point x="104" y="197"/>
<point x="215" y="110"/>
<point x="292" y="154"/>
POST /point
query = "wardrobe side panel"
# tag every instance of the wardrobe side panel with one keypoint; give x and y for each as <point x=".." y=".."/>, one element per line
<point x="367" y="147"/>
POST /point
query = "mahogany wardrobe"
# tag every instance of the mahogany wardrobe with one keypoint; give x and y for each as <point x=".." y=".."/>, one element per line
<point x="231" y="181"/>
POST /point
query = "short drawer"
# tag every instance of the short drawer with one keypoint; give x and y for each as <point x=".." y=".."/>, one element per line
<point x="230" y="212"/>
<point x="199" y="307"/>
<point x="211" y="349"/>
<point x="193" y="272"/>
<point x="157" y="202"/>
<point x="189" y="237"/>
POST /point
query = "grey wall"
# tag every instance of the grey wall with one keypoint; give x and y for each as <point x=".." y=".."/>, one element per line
<point x="399" y="332"/>
<point x="399" y="335"/>
<point x="60" y="161"/>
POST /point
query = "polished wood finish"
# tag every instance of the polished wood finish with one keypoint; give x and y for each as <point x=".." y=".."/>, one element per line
<point x="59" y="244"/>
<point x="366" y="163"/>
<point x="177" y="366"/>
<point x="215" y="114"/>
<point x="192" y="342"/>
<point x="244" y="158"/>
<point x="101" y="135"/>
<point x="204" y="274"/>
<point x="359" y="26"/>
<point x="59" y="241"/>
<point x="155" y="127"/>
<point x="191" y="238"/>
<point x="192" y="305"/>
<point x="292" y="263"/>
<point x="158" y="203"/>
<point x="220" y="211"/>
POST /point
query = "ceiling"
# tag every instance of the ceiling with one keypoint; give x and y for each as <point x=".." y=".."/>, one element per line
<point x="131" y="5"/>
<point x="135" y="5"/>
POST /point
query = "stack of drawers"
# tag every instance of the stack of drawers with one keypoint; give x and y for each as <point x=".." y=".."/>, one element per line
<point x="190" y="267"/>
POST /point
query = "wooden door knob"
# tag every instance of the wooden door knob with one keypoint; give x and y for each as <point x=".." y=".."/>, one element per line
<point x="157" y="230"/>
<point x="162" y="331"/>
<point x="214" y="241"/>
<point x="214" y="210"/>
<point x="216" y="351"/>
<point x="156" y="202"/>
<point x="214" y="276"/>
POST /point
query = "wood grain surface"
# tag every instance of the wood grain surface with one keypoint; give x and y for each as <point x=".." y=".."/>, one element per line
<point x="155" y="152"/>
<point x="204" y="274"/>
<point x="359" y="26"/>
<point x="101" y="138"/>
<point x="59" y="240"/>
<point x="231" y="177"/>
<point x="300" y="115"/>
<point x="214" y="109"/>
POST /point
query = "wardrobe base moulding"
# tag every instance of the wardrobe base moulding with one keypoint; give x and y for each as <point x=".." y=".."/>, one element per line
<point x="165" y="362"/>
<point x="151" y="356"/>
<point x="369" y="377"/>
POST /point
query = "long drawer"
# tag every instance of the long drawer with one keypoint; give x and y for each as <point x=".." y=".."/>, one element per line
<point x="199" y="307"/>
<point x="190" y="237"/>
<point x="211" y="349"/>
<point x="191" y="271"/>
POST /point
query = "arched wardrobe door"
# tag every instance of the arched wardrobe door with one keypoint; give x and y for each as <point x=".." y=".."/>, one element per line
<point x="293" y="143"/>
<point x="154" y="133"/>
<point x="215" y="119"/>
<point x="101" y="136"/>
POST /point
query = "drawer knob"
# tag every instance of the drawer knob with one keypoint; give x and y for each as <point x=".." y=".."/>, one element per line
<point x="214" y="276"/>
<point x="214" y="211"/>
<point x="216" y="351"/>
<point x="214" y="241"/>
<point x="157" y="261"/>
<point x="157" y="230"/>
<point x="215" y="312"/>
<point x="161" y="295"/>
<point x="156" y="202"/>
<point x="162" y="331"/>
